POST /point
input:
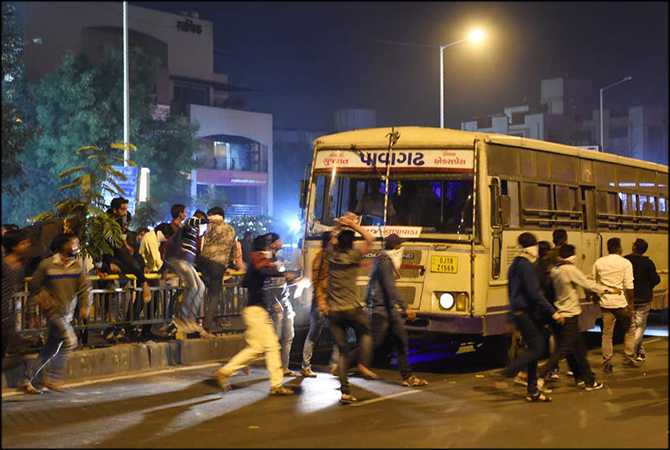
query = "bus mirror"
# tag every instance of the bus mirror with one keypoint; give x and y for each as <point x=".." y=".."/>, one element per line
<point x="303" y="194"/>
<point x="506" y="209"/>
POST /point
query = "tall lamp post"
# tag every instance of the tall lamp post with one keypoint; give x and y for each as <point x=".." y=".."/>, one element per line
<point x="602" y="130"/>
<point x="475" y="36"/>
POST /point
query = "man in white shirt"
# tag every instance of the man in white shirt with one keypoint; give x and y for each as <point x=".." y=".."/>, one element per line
<point x="614" y="271"/>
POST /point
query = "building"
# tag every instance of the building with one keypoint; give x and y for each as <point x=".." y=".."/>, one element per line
<point x="236" y="155"/>
<point x="569" y="114"/>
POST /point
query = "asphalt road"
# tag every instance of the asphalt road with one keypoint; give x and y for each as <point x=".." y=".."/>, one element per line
<point x="183" y="408"/>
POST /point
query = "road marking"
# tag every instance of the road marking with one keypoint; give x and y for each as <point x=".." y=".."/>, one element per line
<point x="652" y="340"/>
<point x="121" y="377"/>
<point x="386" y="397"/>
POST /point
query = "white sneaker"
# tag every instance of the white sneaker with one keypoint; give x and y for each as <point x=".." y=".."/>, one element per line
<point x="541" y="387"/>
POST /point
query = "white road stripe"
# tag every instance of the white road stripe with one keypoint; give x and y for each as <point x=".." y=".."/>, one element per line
<point x="121" y="377"/>
<point x="386" y="397"/>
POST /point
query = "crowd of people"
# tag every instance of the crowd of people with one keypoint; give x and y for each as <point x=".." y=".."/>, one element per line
<point x="545" y="303"/>
<point x="543" y="296"/>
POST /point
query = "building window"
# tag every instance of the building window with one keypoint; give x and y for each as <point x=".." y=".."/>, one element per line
<point x="618" y="133"/>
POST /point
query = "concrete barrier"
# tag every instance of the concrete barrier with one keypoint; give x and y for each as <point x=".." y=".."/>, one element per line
<point x="134" y="358"/>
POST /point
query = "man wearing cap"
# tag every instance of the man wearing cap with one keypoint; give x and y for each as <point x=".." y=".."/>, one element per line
<point x="386" y="306"/>
<point x="529" y="310"/>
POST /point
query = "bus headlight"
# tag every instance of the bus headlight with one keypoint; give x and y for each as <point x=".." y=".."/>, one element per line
<point x="446" y="300"/>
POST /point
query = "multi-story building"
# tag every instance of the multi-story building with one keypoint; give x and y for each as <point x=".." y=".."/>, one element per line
<point x="568" y="114"/>
<point x="236" y="155"/>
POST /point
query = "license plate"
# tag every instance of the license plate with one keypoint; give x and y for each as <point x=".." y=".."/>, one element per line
<point x="444" y="264"/>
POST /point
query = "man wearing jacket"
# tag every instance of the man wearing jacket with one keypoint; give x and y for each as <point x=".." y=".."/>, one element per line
<point x="217" y="244"/>
<point x="529" y="311"/>
<point x="386" y="306"/>
<point x="260" y="335"/>
<point x="566" y="277"/>
<point x="59" y="282"/>
<point x="317" y="318"/>
<point x="645" y="278"/>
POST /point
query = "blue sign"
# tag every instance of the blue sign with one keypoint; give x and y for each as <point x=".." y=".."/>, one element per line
<point x="129" y="186"/>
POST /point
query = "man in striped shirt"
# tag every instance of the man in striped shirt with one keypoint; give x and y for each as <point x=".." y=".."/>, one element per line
<point x="59" y="282"/>
<point x="181" y="258"/>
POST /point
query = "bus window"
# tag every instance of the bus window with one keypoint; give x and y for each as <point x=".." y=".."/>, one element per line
<point x="319" y="196"/>
<point x="628" y="206"/>
<point x="566" y="198"/>
<point x="511" y="189"/>
<point x="647" y="206"/>
<point x="662" y="208"/>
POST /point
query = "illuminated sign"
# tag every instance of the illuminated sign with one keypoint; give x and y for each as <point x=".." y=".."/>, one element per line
<point x="403" y="232"/>
<point x="451" y="160"/>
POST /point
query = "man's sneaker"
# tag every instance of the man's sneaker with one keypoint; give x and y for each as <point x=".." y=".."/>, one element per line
<point x="281" y="390"/>
<point x="120" y="334"/>
<point x="56" y="386"/>
<point x="554" y="375"/>
<point x="640" y="358"/>
<point x="307" y="373"/>
<point x="594" y="387"/>
<point x="570" y="373"/>
<point x="222" y="380"/>
<point x="631" y="364"/>
<point x="414" y="381"/>
<point x="609" y="368"/>
<point x="29" y="389"/>
<point x="580" y="384"/>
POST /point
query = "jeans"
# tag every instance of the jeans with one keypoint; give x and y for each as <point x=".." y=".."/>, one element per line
<point x="261" y="339"/>
<point x="381" y="324"/>
<point x="528" y="359"/>
<point x="571" y="344"/>
<point x="357" y="319"/>
<point x="283" y="322"/>
<point x="610" y="317"/>
<point x="61" y="342"/>
<point x="194" y="288"/>
<point x="212" y="274"/>
<point x="317" y="322"/>
<point x="641" y="315"/>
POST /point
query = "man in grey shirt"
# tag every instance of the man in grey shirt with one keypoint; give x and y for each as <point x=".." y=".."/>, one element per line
<point x="343" y="306"/>
<point x="566" y="277"/>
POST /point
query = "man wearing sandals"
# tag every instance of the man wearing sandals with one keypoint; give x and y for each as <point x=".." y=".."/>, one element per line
<point x="260" y="334"/>
<point x="385" y="306"/>
<point x="342" y="304"/>
<point x="529" y="310"/>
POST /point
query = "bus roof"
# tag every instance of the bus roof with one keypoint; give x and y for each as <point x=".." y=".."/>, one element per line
<point x="428" y="137"/>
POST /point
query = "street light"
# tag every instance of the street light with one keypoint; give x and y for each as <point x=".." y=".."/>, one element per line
<point x="602" y="130"/>
<point x="476" y="36"/>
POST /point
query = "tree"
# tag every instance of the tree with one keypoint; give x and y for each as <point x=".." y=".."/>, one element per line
<point x="82" y="105"/>
<point x="213" y="197"/>
<point x="15" y="133"/>
<point x="86" y="200"/>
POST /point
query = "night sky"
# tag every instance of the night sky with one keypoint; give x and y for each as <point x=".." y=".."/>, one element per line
<point x="310" y="58"/>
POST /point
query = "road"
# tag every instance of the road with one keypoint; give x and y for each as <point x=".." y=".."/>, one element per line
<point x="184" y="408"/>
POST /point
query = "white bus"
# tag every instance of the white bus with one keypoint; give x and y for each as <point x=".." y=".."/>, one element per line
<point x="462" y="198"/>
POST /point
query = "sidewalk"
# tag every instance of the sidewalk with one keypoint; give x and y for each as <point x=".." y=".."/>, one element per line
<point x="135" y="358"/>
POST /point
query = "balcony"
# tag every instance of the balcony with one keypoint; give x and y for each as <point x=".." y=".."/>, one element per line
<point x="232" y="164"/>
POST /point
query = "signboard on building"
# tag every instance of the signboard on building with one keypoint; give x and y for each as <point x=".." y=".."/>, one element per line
<point x="129" y="186"/>
<point x="407" y="160"/>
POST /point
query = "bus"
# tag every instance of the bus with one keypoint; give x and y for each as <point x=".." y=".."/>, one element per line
<point x="461" y="199"/>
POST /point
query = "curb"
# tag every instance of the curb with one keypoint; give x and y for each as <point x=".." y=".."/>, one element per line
<point x="137" y="357"/>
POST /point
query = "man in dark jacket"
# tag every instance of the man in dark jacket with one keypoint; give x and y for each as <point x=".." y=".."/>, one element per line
<point x="386" y="306"/>
<point x="645" y="277"/>
<point x="260" y="335"/>
<point x="529" y="310"/>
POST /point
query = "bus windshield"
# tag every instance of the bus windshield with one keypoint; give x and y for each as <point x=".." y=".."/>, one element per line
<point x="439" y="203"/>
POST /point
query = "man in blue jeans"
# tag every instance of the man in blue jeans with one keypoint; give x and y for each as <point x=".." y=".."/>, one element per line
<point x="529" y="310"/>
<point x="59" y="282"/>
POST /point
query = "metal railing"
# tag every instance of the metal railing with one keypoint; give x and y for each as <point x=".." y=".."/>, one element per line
<point x="119" y="305"/>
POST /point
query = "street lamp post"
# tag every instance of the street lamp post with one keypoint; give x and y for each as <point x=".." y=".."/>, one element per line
<point x="126" y="87"/>
<point x="475" y="36"/>
<point x="602" y="130"/>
